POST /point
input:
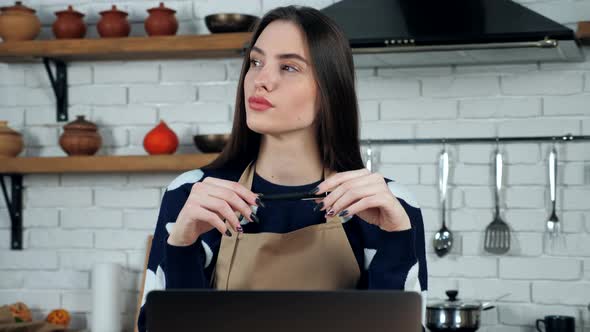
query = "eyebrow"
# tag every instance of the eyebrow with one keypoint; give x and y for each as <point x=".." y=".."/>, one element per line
<point x="284" y="55"/>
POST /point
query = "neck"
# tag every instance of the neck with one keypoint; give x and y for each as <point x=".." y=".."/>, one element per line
<point x="290" y="160"/>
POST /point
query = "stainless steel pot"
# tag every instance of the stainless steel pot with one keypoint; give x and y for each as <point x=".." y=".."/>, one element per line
<point x="454" y="315"/>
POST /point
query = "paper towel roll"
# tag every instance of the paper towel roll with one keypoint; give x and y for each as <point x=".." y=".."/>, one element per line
<point x="106" y="297"/>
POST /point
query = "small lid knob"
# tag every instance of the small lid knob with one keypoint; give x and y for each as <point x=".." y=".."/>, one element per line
<point x="452" y="294"/>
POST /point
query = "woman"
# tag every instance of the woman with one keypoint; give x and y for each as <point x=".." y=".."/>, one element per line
<point x="295" y="130"/>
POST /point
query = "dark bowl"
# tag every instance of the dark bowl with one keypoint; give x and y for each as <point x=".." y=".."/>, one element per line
<point x="211" y="142"/>
<point x="230" y="22"/>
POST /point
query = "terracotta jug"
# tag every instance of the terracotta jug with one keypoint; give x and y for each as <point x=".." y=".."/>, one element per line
<point x="80" y="137"/>
<point x="160" y="140"/>
<point x="11" y="141"/>
<point x="69" y="24"/>
<point x="113" y="23"/>
<point x="161" y="21"/>
<point x="18" y="23"/>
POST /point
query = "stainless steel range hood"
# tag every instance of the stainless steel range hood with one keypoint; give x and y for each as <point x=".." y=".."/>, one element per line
<point x="431" y="32"/>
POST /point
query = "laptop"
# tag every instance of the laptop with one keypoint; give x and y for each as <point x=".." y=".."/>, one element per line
<point x="283" y="311"/>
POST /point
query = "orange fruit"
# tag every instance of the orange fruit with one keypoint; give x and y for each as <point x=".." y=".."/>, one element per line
<point x="59" y="317"/>
<point x="20" y="312"/>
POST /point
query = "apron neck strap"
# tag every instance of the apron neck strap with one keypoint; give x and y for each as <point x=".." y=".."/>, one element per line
<point x="248" y="175"/>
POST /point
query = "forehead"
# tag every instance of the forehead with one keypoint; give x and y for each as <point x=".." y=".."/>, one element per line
<point x="282" y="37"/>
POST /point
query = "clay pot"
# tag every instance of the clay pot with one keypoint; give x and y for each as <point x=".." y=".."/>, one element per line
<point x="69" y="24"/>
<point x="113" y="24"/>
<point x="18" y="23"/>
<point x="161" y="21"/>
<point x="11" y="141"/>
<point x="160" y="140"/>
<point x="80" y="138"/>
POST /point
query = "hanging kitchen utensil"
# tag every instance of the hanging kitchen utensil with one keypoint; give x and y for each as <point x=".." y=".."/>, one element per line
<point x="369" y="153"/>
<point x="497" y="235"/>
<point x="443" y="239"/>
<point x="553" y="226"/>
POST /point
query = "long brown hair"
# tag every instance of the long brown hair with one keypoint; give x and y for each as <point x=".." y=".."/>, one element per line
<point x="337" y="121"/>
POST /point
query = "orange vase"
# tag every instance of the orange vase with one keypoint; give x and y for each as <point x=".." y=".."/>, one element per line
<point x="160" y="140"/>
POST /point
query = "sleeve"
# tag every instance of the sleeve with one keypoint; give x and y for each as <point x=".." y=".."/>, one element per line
<point x="170" y="266"/>
<point x="397" y="260"/>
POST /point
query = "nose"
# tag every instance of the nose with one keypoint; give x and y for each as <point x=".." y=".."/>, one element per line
<point x="265" y="78"/>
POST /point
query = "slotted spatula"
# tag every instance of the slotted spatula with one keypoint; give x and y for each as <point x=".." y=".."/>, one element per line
<point x="497" y="236"/>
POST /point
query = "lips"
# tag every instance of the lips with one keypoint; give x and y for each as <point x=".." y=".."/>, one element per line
<point x="259" y="103"/>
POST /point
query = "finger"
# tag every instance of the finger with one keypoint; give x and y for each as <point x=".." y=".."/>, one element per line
<point x="234" y="200"/>
<point x="239" y="189"/>
<point x="203" y="215"/>
<point x="223" y="209"/>
<point x="351" y="184"/>
<point x="355" y="195"/>
<point x="363" y="204"/>
<point x="335" y="180"/>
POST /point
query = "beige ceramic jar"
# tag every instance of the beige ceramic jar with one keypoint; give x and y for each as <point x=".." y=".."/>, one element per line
<point x="11" y="141"/>
<point x="19" y="23"/>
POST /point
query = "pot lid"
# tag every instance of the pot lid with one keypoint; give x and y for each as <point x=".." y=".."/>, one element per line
<point x="5" y="130"/>
<point x="454" y="303"/>
<point x="113" y="10"/>
<point x="161" y="8"/>
<point x="80" y="124"/>
<point x="18" y="6"/>
<point x="70" y="10"/>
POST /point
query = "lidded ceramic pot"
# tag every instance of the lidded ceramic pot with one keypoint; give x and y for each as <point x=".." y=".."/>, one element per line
<point x="69" y="24"/>
<point x="18" y="23"/>
<point x="80" y="138"/>
<point x="113" y="23"/>
<point x="161" y="21"/>
<point x="11" y="141"/>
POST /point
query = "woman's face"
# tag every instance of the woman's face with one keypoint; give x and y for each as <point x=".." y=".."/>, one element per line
<point x="279" y="88"/>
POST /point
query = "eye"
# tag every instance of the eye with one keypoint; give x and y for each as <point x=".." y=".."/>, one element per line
<point x="254" y="62"/>
<point x="290" y="69"/>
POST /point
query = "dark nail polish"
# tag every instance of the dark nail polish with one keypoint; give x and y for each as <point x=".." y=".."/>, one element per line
<point x="314" y="190"/>
<point x="343" y="213"/>
<point x="331" y="213"/>
<point x="254" y="218"/>
<point x="259" y="202"/>
<point x="228" y="233"/>
<point x="318" y="206"/>
<point x="240" y="229"/>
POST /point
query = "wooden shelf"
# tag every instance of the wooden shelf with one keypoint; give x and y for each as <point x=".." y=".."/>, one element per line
<point x="105" y="164"/>
<point x="128" y="48"/>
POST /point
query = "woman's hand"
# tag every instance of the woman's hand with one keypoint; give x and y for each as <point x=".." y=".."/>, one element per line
<point x="365" y="194"/>
<point x="209" y="204"/>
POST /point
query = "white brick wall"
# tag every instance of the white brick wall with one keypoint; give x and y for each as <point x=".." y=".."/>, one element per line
<point x="73" y="221"/>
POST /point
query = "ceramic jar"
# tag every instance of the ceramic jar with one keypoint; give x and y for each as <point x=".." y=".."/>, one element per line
<point x="69" y="24"/>
<point x="18" y="23"/>
<point x="161" y="21"/>
<point x="80" y="137"/>
<point x="113" y="23"/>
<point x="11" y="141"/>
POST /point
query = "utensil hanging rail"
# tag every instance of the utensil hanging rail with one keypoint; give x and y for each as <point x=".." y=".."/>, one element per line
<point x="478" y="140"/>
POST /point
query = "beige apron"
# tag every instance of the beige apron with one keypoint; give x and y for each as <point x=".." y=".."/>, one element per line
<point x="317" y="257"/>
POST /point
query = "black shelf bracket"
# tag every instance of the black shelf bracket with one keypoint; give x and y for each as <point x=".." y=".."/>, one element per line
<point x="15" y="208"/>
<point x="59" y="83"/>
